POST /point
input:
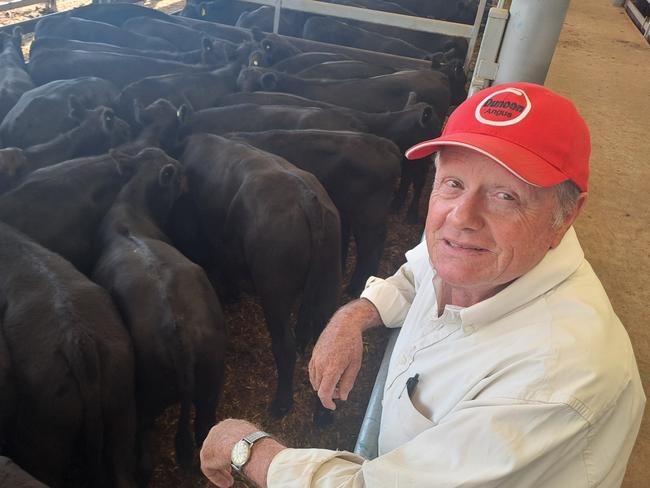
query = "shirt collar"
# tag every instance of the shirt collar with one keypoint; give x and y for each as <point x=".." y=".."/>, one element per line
<point x="556" y="266"/>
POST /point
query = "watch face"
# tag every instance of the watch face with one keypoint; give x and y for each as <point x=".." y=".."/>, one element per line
<point x="240" y="453"/>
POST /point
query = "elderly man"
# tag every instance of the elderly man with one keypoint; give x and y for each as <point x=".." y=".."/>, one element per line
<point x="511" y="368"/>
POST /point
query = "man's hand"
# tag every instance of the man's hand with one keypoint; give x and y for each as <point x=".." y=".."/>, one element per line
<point x="337" y="356"/>
<point x="215" y="453"/>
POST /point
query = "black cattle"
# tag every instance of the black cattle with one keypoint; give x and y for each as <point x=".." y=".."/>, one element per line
<point x="11" y="475"/>
<point x="291" y="21"/>
<point x="358" y="171"/>
<point x="302" y="61"/>
<point x="219" y="11"/>
<point x="72" y="362"/>
<point x="158" y="125"/>
<point x="69" y="27"/>
<point x="210" y="53"/>
<point x="224" y="32"/>
<point x="252" y="117"/>
<point x="341" y="70"/>
<point x="14" y="80"/>
<point x="98" y="131"/>
<point x="61" y="206"/>
<point x="376" y="94"/>
<point x="117" y="13"/>
<point x="198" y="90"/>
<point x="121" y="69"/>
<point x="325" y="29"/>
<point x="168" y="305"/>
<point x="183" y="38"/>
<point x="274" y="225"/>
<point x="43" y="113"/>
<point x="275" y="47"/>
<point x="269" y="98"/>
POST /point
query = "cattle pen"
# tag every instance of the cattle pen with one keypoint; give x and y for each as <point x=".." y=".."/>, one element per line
<point x="499" y="50"/>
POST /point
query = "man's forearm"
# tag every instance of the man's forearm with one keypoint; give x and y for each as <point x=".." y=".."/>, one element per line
<point x="361" y="313"/>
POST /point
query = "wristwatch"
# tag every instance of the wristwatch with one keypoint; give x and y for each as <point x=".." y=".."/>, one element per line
<point x="241" y="452"/>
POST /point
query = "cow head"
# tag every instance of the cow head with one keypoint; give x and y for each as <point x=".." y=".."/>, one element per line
<point x="214" y="53"/>
<point x="258" y="58"/>
<point x="277" y="48"/>
<point x="99" y="128"/>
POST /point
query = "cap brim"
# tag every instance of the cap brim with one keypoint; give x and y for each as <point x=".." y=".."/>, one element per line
<point x="521" y="162"/>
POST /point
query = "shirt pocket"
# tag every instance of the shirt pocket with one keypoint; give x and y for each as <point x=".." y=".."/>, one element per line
<point x="411" y="421"/>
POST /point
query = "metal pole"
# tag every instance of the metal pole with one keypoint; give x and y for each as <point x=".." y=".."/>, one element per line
<point x="530" y="38"/>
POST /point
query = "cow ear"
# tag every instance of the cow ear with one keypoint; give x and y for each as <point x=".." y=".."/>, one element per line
<point x="269" y="81"/>
<point x="256" y="58"/>
<point x="108" y="119"/>
<point x="257" y="33"/>
<point x="184" y="112"/>
<point x="203" y="9"/>
<point x="206" y="44"/>
<point x="427" y="113"/>
<point x="167" y="175"/>
<point x="267" y="45"/>
<point x="75" y="109"/>
<point x="437" y="60"/>
<point x="412" y="100"/>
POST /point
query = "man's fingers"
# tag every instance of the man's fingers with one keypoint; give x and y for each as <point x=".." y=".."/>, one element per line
<point x="348" y="378"/>
<point x="326" y="391"/>
<point x="315" y="374"/>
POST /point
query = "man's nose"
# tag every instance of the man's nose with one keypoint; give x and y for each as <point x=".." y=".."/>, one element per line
<point x="467" y="213"/>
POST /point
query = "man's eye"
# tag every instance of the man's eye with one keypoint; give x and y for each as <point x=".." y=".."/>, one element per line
<point x="505" y="196"/>
<point x="453" y="184"/>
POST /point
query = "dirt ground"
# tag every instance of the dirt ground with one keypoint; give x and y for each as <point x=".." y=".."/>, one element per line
<point x="603" y="63"/>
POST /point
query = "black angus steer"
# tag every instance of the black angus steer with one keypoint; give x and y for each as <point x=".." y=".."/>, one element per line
<point x="68" y="27"/>
<point x="209" y="52"/>
<point x="98" y="131"/>
<point x="340" y="70"/>
<point x="377" y="94"/>
<point x="14" y="79"/>
<point x="197" y="90"/>
<point x="273" y="225"/>
<point x="269" y="98"/>
<point x="72" y="361"/>
<point x="358" y="171"/>
<point x="43" y="113"/>
<point x="61" y="206"/>
<point x="158" y="124"/>
<point x="56" y="64"/>
<point x="168" y="305"/>
<point x="252" y="117"/>
<point x="301" y="61"/>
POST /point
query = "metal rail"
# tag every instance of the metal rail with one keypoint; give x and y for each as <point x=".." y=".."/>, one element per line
<point x="14" y="4"/>
<point x="642" y="23"/>
<point x="469" y="32"/>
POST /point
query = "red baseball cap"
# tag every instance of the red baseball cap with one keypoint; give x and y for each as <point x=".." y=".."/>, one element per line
<point x="534" y="133"/>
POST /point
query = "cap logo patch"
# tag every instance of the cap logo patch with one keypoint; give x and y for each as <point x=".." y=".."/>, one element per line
<point x="503" y="107"/>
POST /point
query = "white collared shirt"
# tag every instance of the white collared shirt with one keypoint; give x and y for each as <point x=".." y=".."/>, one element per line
<point x="535" y="386"/>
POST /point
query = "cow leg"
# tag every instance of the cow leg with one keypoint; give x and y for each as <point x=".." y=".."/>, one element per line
<point x="144" y="440"/>
<point x="402" y="189"/>
<point x="370" y="246"/>
<point x="419" y="175"/>
<point x="209" y="381"/>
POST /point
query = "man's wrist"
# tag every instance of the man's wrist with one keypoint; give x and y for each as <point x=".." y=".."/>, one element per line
<point x="262" y="454"/>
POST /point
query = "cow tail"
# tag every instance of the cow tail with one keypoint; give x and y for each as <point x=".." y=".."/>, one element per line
<point x="83" y="359"/>
<point x="184" y="367"/>
<point x="323" y="284"/>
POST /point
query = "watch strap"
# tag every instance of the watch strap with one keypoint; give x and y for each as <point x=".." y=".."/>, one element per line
<point x="250" y="439"/>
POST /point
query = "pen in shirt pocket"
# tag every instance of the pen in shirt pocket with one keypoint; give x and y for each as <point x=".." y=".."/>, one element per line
<point x="410" y="385"/>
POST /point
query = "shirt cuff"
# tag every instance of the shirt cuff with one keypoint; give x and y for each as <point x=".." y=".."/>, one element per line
<point x="388" y="300"/>
<point x="301" y="468"/>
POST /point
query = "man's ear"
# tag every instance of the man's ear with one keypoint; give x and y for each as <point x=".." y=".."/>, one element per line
<point x="568" y="220"/>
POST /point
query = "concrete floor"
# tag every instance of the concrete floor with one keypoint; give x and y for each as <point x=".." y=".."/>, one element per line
<point x="603" y="64"/>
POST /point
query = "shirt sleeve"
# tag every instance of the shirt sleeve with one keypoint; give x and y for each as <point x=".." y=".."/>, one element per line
<point x="488" y="444"/>
<point x="393" y="296"/>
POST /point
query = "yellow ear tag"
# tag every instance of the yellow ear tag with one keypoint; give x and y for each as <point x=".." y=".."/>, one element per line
<point x="204" y="12"/>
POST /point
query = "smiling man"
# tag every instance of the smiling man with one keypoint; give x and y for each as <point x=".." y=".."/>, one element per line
<point x="511" y="369"/>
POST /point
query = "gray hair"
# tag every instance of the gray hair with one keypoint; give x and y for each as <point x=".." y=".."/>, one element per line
<point x="566" y="195"/>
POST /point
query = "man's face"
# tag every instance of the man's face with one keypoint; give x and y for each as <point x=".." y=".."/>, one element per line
<point x="485" y="226"/>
